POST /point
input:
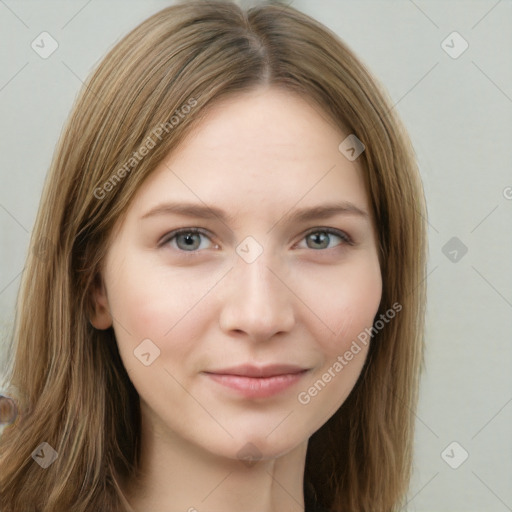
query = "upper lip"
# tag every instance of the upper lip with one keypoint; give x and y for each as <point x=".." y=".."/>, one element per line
<point x="248" y="370"/>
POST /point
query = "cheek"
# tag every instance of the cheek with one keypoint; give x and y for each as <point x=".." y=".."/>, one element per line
<point x="151" y="302"/>
<point x="141" y="308"/>
<point x="350" y="305"/>
<point x="347" y="302"/>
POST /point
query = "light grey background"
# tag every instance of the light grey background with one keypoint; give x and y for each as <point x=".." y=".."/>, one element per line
<point x="459" y="115"/>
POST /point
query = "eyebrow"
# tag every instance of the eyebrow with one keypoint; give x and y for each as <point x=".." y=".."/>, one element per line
<point x="199" y="211"/>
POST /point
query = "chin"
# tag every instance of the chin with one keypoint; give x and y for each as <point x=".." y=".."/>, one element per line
<point x="258" y="446"/>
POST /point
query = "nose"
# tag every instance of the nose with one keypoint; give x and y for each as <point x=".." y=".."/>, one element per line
<point x="258" y="302"/>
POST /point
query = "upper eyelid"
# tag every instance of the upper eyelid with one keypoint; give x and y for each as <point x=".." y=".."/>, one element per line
<point x="175" y="232"/>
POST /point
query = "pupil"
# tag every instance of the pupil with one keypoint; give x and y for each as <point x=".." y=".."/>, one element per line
<point x="187" y="240"/>
<point x="320" y="238"/>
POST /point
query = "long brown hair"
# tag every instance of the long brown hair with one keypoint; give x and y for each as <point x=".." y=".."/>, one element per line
<point x="72" y="390"/>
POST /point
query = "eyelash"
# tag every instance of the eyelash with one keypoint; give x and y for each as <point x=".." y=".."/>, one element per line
<point x="345" y="238"/>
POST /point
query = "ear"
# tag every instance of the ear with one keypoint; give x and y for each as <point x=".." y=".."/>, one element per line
<point x="101" y="318"/>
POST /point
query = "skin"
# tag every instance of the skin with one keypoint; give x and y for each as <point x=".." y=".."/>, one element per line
<point x="258" y="155"/>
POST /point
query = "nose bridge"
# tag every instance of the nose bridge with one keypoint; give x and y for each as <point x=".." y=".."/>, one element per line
<point x="260" y="304"/>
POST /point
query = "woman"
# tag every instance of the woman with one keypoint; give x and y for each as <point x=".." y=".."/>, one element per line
<point x="223" y="306"/>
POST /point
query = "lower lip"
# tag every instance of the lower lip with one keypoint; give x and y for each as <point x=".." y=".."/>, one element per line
<point x="257" y="387"/>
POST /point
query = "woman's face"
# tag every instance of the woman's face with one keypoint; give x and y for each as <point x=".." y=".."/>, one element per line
<point x="280" y="279"/>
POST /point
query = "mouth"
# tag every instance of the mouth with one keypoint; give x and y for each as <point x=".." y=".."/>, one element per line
<point x="258" y="382"/>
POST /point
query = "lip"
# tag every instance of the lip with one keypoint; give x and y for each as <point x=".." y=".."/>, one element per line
<point x="249" y="370"/>
<point x="258" y="382"/>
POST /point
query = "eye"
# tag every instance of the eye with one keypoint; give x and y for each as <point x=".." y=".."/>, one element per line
<point x="187" y="240"/>
<point x="191" y="239"/>
<point x="322" y="238"/>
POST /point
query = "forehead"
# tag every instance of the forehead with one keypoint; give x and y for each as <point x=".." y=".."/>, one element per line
<point x="259" y="152"/>
<point x="260" y="124"/>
